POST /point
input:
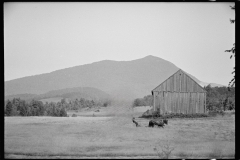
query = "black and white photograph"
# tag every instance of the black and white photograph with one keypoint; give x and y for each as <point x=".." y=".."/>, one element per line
<point x="119" y="80"/>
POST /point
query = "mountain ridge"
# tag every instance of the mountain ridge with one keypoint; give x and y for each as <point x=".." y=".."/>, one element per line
<point x="69" y="93"/>
<point x="120" y="79"/>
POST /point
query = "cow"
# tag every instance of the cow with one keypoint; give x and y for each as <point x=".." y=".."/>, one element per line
<point x="159" y="123"/>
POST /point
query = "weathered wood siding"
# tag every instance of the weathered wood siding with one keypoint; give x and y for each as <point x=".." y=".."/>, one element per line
<point x="179" y="82"/>
<point x="179" y="94"/>
<point x="173" y="102"/>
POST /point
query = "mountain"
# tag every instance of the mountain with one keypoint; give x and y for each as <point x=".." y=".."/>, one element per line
<point x="216" y="85"/>
<point x="21" y="96"/>
<point x="73" y="93"/>
<point x="120" y="79"/>
<point x="211" y="84"/>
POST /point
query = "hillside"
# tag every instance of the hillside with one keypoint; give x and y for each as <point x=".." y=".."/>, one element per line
<point x="21" y="96"/>
<point x="68" y="93"/>
<point x="120" y="79"/>
<point x="73" y="93"/>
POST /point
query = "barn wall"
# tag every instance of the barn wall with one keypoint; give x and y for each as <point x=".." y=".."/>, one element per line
<point x="180" y="82"/>
<point x="180" y="94"/>
<point x="179" y="102"/>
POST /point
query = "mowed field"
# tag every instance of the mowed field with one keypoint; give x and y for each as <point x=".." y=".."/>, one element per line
<point x="115" y="136"/>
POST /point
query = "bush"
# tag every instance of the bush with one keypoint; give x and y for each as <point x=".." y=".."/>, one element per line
<point x="106" y="103"/>
<point x="74" y="115"/>
<point x="175" y="115"/>
<point x="145" y="101"/>
<point x="150" y="113"/>
<point x="156" y="114"/>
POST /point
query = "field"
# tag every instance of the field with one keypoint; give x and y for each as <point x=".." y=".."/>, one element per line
<point x="110" y="133"/>
<point x="55" y="99"/>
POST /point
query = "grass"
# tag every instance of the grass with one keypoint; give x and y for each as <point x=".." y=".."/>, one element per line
<point x="117" y="136"/>
<point x="165" y="152"/>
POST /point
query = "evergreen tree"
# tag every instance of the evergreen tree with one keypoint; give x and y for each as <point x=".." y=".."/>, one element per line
<point x="9" y="108"/>
<point x="63" y="112"/>
<point x="23" y="108"/>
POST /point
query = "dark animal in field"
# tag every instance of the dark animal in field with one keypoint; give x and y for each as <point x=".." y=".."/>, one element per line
<point x="154" y="122"/>
<point x="151" y="123"/>
<point x="137" y="125"/>
<point x="159" y="123"/>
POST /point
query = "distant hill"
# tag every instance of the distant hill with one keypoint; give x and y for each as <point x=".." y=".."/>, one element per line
<point x="21" y="96"/>
<point x="216" y="85"/>
<point x="120" y="79"/>
<point x="68" y="93"/>
<point x="211" y="84"/>
<point x="73" y="93"/>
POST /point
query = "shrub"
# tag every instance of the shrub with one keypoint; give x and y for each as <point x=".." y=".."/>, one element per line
<point x="174" y="115"/>
<point x="74" y="115"/>
<point x="145" y="101"/>
<point x="106" y="103"/>
<point x="156" y="114"/>
<point x="166" y="151"/>
<point x="216" y="112"/>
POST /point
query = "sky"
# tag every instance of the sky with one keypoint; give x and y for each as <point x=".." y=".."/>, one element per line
<point x="41" y="37"/>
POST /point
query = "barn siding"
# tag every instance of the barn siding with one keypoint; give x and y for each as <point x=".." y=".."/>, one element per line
<point x="180" y="94"/>
<point x="154" y="101"/>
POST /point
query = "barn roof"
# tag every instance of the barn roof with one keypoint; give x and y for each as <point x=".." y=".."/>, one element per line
<point x="185" y="74"/>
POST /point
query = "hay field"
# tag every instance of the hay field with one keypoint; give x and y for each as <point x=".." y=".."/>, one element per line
<point x="117" y="137"/>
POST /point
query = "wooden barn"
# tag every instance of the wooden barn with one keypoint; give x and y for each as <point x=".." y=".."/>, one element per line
<point x="179" y="94"/>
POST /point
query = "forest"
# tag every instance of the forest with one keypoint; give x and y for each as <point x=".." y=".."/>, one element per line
<point x="217" y="99"/>
<point x="18" y="107"/>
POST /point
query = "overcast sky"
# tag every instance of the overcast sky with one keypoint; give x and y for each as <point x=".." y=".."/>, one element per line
<point x="41" y="37"/>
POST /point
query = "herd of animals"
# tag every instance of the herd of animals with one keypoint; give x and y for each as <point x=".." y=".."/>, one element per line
<point x="152" y="123"/>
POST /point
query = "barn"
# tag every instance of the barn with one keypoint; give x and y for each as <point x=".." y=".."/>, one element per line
<point x="179" y="94"/>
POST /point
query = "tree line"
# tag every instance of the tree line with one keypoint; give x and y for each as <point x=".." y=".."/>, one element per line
<point x="220" y="98"/>
<point x="145" y="101"/>
<point x="18" y="107"/>
<point x="217" y="98"/>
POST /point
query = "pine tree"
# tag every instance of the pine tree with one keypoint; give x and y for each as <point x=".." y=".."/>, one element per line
<point x="63" y="112"/>
<point x="9" y="108"/>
